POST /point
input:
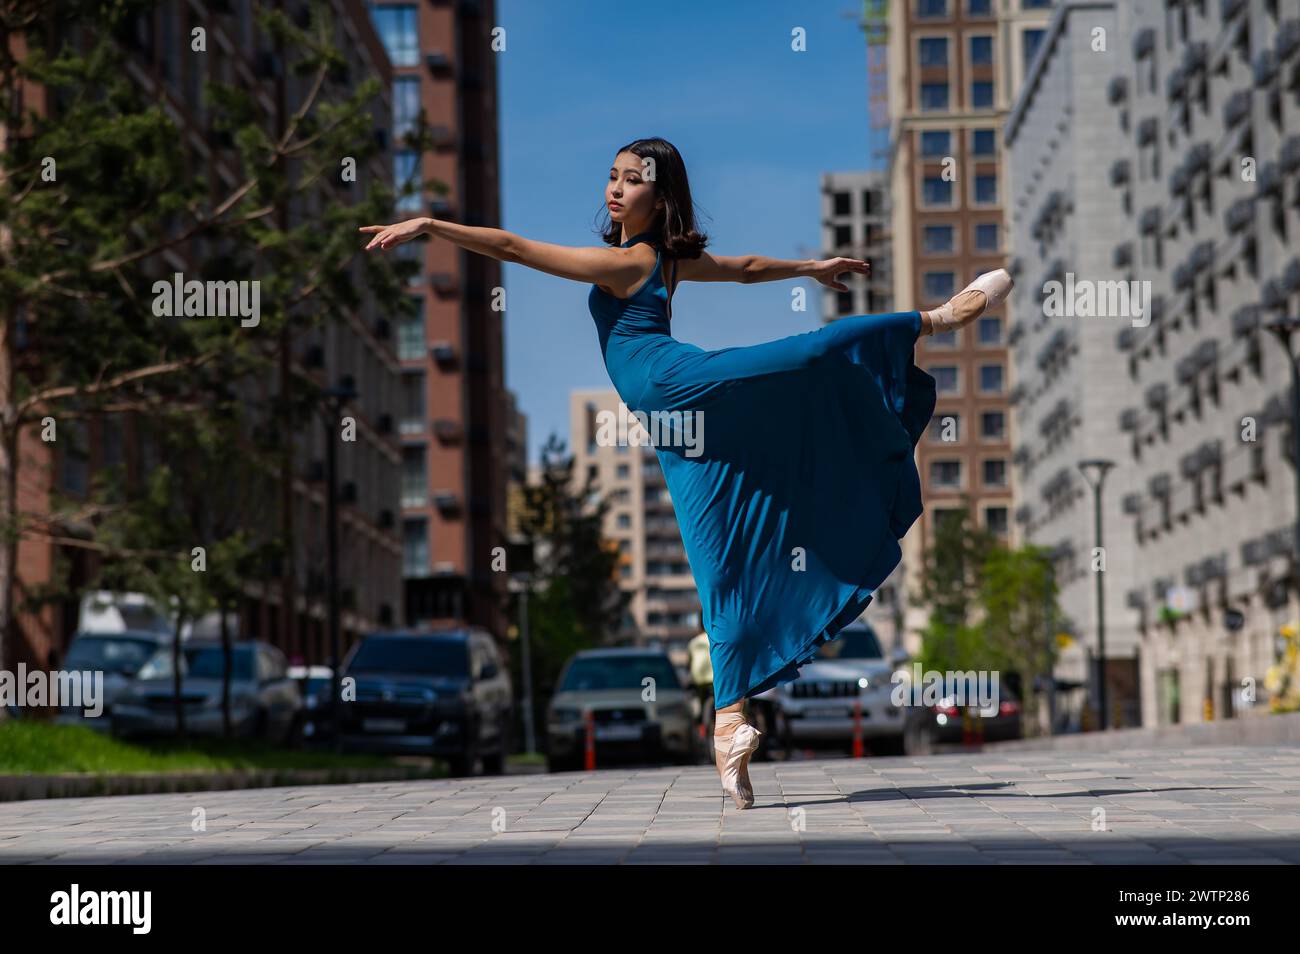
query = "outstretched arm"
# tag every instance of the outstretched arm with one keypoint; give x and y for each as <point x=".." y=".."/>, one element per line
<point x="610" y="266"/>
<point x="748" y="269"/>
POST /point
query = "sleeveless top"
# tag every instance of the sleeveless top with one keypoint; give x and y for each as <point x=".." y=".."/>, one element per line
<point x="629" y="327"/>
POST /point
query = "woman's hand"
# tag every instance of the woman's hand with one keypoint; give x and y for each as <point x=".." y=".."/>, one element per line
<point x="826" y="270"/>
<point x="386" y="236"/>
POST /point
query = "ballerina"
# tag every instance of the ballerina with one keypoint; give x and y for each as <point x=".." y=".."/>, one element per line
<point x="791" y="516"/>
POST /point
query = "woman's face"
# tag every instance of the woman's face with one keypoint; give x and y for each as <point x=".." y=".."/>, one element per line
<point x="629" y="196"/>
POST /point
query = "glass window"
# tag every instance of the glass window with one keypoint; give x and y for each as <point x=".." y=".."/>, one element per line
<point x="843" y="236"/>
<point x="986" y="236"/>
<point x="990" y="331"/>
<point x="406" y="174"/>
<point x="841" y="203"/>
<point x="937" y="238"/>
<point x="939" y="286"/>
<point x="1031" y="40"/>
<point x="931" y="8"/>
<point x="945" y="378"/>
<point x="943" y="339"/>
<point x="981" y="50"/>
<point x="986" y="189"/>
<point x="981" y="94"/>
<point x="991" y="378"/>
<point x="934" y="96"/>
<point x="935" y="190"/>
<point x="844" y="302"/>
<point x="945" y="473"/>
<point x="936" y="142"/>
<point x="979" y="8"/>
<point x="995" y="519"/>
<point x="870" y="201"/>
<point x="983" y="142"/>
<point x="995" y="473"/>
<point x="415" y="481"/>
<point x="406" y="104"/>
<point x="412" y="403"/>
<point x="397" y="28"/>
<point x="415" y="547"/>
<point x="623" y="471"/>
<point x="410" y="336"/>
<point x="993" y="425"/>
<point x="933" y="51"/>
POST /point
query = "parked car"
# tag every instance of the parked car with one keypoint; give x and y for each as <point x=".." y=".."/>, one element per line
<point x="120" y="657"/>
<point x="443" y="694"/>
<point x="817" y="708"/>
<point x="314" y="684"/>
<point x="611" y="683"/>
<point x="264" y="701"/>
<point x="942" y="724"/>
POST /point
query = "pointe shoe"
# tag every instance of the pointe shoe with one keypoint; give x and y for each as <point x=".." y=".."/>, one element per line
<point x="994" y="285"/>
<point x="734" y="752"/>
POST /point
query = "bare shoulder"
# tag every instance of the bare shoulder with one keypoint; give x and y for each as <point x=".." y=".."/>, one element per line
<point x="636" y="264"/>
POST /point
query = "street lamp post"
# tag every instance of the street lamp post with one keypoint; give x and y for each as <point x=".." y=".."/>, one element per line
<point x="522" y="583"/>
<point x="1282" y="329"/>
<point x="334" y="399"/>
<point x="1094" y="471"/>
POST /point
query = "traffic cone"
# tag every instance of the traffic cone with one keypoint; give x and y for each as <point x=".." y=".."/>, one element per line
<point x="589" y="759"/>
<point x="857" y="729"/>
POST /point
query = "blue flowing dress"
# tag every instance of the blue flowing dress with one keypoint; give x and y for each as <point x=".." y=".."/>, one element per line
<point x="791" y="515"/>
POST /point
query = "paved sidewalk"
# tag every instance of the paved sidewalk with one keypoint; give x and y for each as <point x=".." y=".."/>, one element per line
<point x="1227" y="804"/>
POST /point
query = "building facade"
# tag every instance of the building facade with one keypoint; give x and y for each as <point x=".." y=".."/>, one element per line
<point x="1174" y="180"/>
<point x="288" y="609"/>
<point x="1204" y="149"/>
<point x="454" y="421"/>
<point x="664" y="608"/>
<point x="1069" y="384"/>
<point x="954" y="69"/>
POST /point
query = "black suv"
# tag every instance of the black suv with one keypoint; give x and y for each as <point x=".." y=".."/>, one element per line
<point x="443" y="694"/>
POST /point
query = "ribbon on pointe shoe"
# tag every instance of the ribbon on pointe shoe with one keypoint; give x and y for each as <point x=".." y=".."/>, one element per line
<point x="994" y="285"/>
<point x="735" y="750"/>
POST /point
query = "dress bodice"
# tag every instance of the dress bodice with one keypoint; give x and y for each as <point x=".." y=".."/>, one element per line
<point x="633" y="331"/>
<point x="645" y="311"/>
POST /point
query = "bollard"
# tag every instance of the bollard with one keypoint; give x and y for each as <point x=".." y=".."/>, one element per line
<point x="857" y="728"/>
<point x="967" y="738"/>
<point x="589" y="758"/>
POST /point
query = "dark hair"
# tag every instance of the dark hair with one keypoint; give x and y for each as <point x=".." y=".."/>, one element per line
<point x="674" y="227"/>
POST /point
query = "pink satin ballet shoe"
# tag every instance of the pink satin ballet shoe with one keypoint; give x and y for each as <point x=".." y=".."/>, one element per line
<point x="734" y="752"/>
<point x="995" y="285"/>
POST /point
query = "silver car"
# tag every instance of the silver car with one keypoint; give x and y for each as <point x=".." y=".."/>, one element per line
<point x="264" y="701"/>
<point x="640" y="708"/>
<point x="818" y="707"/>
<point x="119" y="656"/>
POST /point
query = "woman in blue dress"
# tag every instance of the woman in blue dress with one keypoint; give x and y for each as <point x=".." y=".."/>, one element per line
<point x="792" y="501"/>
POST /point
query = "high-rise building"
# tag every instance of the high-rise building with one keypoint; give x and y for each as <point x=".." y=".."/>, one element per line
<point x="665" y="606"/>
<point x="1187" y="205"/>
<point x="855" y="224"/>
<point x="454" y="421"/>
<point x="1069" y="384"/>
<point x="289" y="609"/>
<point x="954" y="69"/>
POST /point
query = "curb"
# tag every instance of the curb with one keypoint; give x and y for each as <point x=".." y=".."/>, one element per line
<point x="1275" y="729"/>
<point x="82" y="785"/>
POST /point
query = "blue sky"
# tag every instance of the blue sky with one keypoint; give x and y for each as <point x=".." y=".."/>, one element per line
<point x="756" y="122"/>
